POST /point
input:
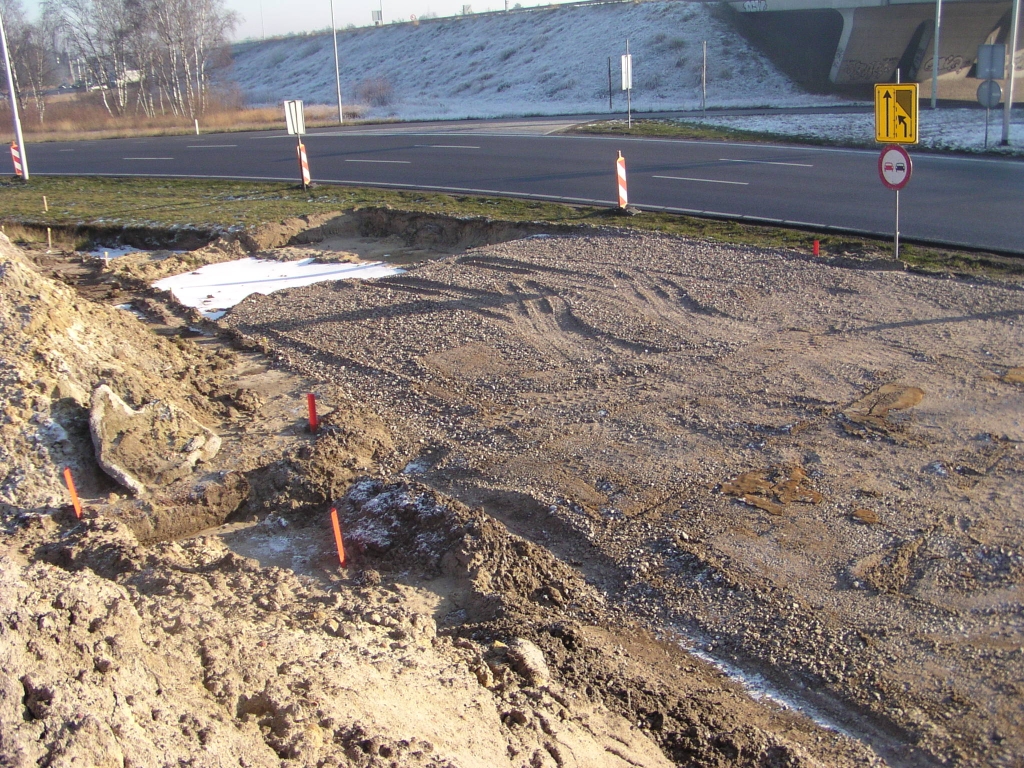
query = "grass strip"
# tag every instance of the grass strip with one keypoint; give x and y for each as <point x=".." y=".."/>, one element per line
<point x="683" y="129"/>
<point x="221" y="206"/>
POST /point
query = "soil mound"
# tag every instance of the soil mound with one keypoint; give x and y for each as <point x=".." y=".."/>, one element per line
<point x="59" y="349"/>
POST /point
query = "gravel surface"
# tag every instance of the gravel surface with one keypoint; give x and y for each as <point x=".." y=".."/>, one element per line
<point x="809" y="467"/>
<point x="139" y="635"/>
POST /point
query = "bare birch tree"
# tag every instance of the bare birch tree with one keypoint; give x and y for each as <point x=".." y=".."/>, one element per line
<point x="145" y="52"/>
<point x="14" y="27"/>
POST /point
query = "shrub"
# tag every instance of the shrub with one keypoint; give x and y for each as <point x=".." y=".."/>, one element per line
<point x="309" y="49"/>
<point x="376" y="91"/>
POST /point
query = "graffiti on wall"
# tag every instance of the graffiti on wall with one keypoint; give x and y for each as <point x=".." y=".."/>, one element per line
<point x="876" y="71"/>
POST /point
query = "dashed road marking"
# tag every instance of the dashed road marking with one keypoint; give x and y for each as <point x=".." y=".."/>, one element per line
<point x="709" y="181"/>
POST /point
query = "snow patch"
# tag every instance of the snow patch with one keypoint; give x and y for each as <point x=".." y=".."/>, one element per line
<point x="214" y="288"/>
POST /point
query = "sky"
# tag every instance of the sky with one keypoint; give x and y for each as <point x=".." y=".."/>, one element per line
<point x="281" y="17"/>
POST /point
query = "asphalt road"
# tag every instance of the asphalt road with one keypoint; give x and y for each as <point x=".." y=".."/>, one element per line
<point x="978" y="203"/>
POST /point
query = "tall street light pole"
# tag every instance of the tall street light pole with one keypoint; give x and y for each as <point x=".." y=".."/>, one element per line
<point x="935" y="52"/>
<point x="337" y="67"/>
<point x="1014" y="24"/>
<point x="14" y="103"/>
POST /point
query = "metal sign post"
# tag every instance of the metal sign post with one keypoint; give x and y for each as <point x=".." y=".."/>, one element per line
<point x="989" y="95"/>
<point x="1008" y="103"/>
<point x="296" y="122"/>
<point x="627" y="84"/>
<point x="895" y="168"/>
<point x="989" y="69"/>
<point x="896" y="110"/>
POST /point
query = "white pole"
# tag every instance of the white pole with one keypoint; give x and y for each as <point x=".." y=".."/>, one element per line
<point x="935" y="52"/>
<point x="263" y="25"/>
<point x="1014" y="23"/>
<point x="14" y="104"/>
<point x="337" y="67"/>
<point x="896" y="240"/>
<point x="629" y="89"/>
<point x="704" y="82"/>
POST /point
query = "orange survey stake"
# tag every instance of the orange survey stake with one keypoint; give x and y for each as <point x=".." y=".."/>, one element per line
<point x="74" y="494"/>
<point x="337" y="537"/>
<point x="313" y="421"/>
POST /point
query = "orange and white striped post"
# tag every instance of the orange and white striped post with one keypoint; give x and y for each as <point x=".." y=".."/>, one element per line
<point x="16" y="157"/>
<point x="303" y="165"/>
<point x="620" y="168"/>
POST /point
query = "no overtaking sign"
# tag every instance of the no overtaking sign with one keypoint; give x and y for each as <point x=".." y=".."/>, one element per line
<point x="894" y="167"/>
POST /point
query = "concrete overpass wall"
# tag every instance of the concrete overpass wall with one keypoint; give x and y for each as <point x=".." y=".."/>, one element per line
<point x="877" y="41"/>
<point x="823" y="43"/>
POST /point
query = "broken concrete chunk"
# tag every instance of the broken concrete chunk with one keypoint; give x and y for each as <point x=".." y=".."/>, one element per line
<point x="1014" y="375"/>
<point x="771" y="489"/>
<point x="528" y="660"/>
<point x="152" y="446"/>
<point x="866" y="516"/>
<point x="873" y="411"/>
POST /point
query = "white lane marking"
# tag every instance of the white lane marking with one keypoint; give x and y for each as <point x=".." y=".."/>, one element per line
<point x="764" y="162"/>
<point x="65" y="150"/>
<point x="210" y="146"/>
<point x="642" y="140"/>
<point x="402" y="162"/>
<point x="709" y="181"/>
<point x="147" y="158"/>
<point x="446" y="146"/>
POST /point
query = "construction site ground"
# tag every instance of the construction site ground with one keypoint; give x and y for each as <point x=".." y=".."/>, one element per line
<point x="608" y="498"/>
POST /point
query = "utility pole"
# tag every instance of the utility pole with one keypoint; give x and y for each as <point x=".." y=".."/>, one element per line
<point x="1014" y="24"/>
<point x="337" y="68"/>
<point x="935" y="52"/>
<point x="14" y="104"/>
<point x="609" y="83"/>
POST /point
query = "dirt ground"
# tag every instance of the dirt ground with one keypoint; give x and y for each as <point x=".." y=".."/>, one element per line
<point x="572" y="470"/>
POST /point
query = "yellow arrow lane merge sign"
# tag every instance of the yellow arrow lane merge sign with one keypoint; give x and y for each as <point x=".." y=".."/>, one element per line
<point x="896" y="113"/>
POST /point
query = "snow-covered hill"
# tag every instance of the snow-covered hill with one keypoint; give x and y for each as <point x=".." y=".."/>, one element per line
<point x="549" y="61"/>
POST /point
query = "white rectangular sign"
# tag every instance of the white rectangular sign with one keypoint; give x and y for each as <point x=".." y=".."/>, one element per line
<point x="294" y="118"/>
<point x="627" y="72"/>
<point x="990" y="62"/>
